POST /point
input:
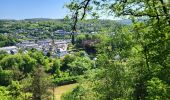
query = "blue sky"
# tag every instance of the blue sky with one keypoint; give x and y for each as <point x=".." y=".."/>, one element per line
<point x="23" y="9"/>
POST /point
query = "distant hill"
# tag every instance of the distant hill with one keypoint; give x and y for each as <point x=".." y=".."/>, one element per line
<point x="129" y="22"/>
<point x="39" y="19"/>
<point x="32" y="19"/>
<point x="124" y="21"/>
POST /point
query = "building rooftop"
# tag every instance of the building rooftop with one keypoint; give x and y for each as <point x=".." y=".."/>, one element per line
<point x="8" y="48"/>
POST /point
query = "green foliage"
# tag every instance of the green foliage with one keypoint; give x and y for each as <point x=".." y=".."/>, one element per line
<point x="135" y="59"/>
<point x="65" y="80"/>
<point x="5" y="77"/>
<point x="67" y="59"/>
<point x="76" y="64"/>
<point x="39" y="57"/>
<point x="157" y="90"/>
<point x="3" y="54"/>
<point x="79" y="40"/>
<point x="40" y="84"/>
<point x="42" y="28"/>
<point x="4" y="94"/>
<point x="28" y="64"/>
<point x="15" y="89"/>
<point x="7" y="40"/>
<point x="80" y="65"/>
<point x="24" y="63"/>
<point x="80" y="93"/>
<point x="55" y="68"/>
<point x="132" y="61"/>
<point x="114" y="81"/>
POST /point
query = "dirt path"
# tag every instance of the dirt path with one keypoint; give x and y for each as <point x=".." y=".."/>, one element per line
<point x="63" y="89"/>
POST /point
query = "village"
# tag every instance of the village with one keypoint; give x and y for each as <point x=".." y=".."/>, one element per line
<point x="54" y="48"/>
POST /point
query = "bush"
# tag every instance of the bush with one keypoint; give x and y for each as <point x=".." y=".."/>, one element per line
<point x="5" y="77"/>
<point x="4" y="94"/>
<point x="156" y="89"/>
<point x="65" y="80"/>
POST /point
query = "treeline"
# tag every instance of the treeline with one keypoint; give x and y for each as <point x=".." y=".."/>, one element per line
<point x="8" y="26"/>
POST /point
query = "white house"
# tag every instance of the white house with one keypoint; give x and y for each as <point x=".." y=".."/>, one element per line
<point x="10" y="49"/>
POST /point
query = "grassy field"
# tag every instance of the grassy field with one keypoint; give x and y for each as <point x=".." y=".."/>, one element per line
<point x="63" y="89"/>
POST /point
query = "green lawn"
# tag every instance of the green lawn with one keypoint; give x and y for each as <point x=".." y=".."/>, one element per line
<point x="63" y="89"/>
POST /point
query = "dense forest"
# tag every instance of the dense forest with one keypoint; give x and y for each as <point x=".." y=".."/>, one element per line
<point x="108" y="60"/>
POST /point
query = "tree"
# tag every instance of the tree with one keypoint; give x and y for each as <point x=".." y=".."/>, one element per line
<point x="19" y="64"/>
<point x="80" y="65"/>
<point x="67" y="59"/>
<point x="5" y="77"/>
<point x="40" y="84"/>
<point x="55" y="68"/>
<point x="39" y="57"/>
<point x="55" y="71"/>
<point x="156" y="89"/>
<point x="15" y="89"/>
<point x="74" y="8"/>
<point x="4" y="93"/>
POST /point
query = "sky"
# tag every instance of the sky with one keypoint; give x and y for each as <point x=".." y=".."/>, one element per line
<point x="25" y="9"/>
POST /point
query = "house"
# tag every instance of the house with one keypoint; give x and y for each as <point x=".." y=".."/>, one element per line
<point x="44" y="42"/>
<point x="10" y="49"/>
<point x="62" y="32"/>
<point x="29" y="45"/>
<point x="61" y="48"/>
<point x="61" y="52"/>
<point x="57" y="48"/>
